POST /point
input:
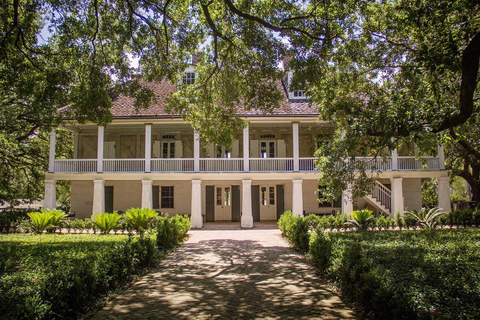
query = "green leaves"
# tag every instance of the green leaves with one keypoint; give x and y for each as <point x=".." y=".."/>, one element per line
<point x="44" y="220"/>
<point x="139" y="218"/>
<point x="106" y="222"/>
<point x="361" y="219"/>
<point x="427" y="219"/>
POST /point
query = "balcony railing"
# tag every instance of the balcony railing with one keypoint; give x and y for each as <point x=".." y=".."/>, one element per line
<point x="372" y="163"/>
<point x="234" y="165"/>
<point x="271" y="165"/>
<point x="172" y="165"/>
<point x="124" y="165"/>
<point x="221" y="165"/>
<point x="75" y="165"/>
<point x="425" y="163"/>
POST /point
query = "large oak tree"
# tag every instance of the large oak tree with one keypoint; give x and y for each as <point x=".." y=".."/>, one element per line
<point x="383" y="71"/>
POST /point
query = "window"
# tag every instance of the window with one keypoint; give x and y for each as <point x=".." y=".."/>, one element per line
<point x="263" y="192"/>
<point x="267" y="136"/>
<point x="168" y="136"/>
<point x="267" y="149"/>
<point x="219" y="196"/>
<point x="168" y="149"/>
<point x="272" y="195"/>
<point x="227" y="197"/>
<point x="299" y="93"/>
<point x="336" y="203"/>
<point x="189" y="78"/>
<point x="167" y="197"/>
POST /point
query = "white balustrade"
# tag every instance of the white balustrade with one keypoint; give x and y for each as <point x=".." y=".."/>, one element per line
<point x="307" y="164"/>
<point x="375" y="163"/>
<point x="172" y="165"/>
<point x="123" y="165"/>
<point x="221" y="165"/>
<point x="382" y="194"/>
<point x="271" y="165"/>
<point x="75" y="165"/>
<point x="412" y="163"/>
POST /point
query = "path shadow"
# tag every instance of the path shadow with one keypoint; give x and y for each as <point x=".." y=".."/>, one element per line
<point x="229" y="279"/>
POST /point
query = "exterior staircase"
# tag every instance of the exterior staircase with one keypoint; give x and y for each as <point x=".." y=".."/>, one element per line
<point x="381" y="197"/>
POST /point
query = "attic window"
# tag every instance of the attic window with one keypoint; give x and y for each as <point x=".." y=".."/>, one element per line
<point x="267" y="136"/>
<point x="168" y="136"/>
<point x="299" y="93"/>
<point x="189" y="78"/>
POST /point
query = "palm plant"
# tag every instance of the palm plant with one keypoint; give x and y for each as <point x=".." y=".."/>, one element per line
<point x="106" y="222"/>
<point x="45" y="219"/>
<point x="360" y="219"/>
<point x="427" y="219"/>
<point x="139" y="218"/>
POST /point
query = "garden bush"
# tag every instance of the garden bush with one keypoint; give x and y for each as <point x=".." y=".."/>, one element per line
<point x="10" y="219"/>
<point x="52" y="276"/>
<point x="420" y="274"/>
<point x="296" y="230"/>
<point x="171" y="231"/>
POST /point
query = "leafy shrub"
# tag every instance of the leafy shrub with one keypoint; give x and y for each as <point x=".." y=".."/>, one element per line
<point x="139" y="218"/>
<point x="106" y="222"/>
<point x="12" y="218"/>
<point x="320" y="249"/>
<point x="45" y="219"/>
<point x="54" y="277"/>
<point x="171" y="231"/>
<point x="426" y="219"/>
<point x="399" y="220"/>
<point x="404" y="274"/>
<point x="361" y="219"/>
<point x="296" y="230"/>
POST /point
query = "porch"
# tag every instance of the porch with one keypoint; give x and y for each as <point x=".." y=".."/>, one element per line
<point x="221" y="165"/>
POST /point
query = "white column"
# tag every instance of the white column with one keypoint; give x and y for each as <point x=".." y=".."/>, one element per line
<point x="296" y="148"/>
<point x="75" y="145"/>
<point x="441" y="157"/>
<point x="347" y="200"/>
<point x="395" y="159"/>
<point x="147" y="201"/>
<point x="246" y="150"/>
<point x="397" y="196"/>
<point x="196" y="151"/>
<point x="148" y="146"/>
<point x="444" y="194"/>
<point x="247" y="216"/>
<point x="297" y="198"/>
<point x="100" y="140"/>
<point x="50" y="196"/>
<point x="51" y="156"/>
<point x="196" y="218"/>
<point x="98" y="196"/>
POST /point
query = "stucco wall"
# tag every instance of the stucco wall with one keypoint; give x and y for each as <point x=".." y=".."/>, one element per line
<point x="412" y="194"/>
<point x="182" y="196"/>
<point x="82" y="198"/>
<point x="126" y="194"/>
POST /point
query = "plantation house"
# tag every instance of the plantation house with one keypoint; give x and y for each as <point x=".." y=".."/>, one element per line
<point x="155" y="160"/>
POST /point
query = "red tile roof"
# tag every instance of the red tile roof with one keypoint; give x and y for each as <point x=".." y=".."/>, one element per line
<point x="123" y="106"/>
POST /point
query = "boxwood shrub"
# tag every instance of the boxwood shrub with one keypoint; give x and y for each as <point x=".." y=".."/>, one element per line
<point x="409" y="274"/>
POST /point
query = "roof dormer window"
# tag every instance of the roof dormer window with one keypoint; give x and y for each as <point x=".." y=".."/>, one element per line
<point x="189" y="78"/>
<point x="299" y="94"/>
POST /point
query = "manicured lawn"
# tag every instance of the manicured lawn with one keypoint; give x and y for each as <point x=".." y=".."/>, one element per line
<point x="51" y="276"/>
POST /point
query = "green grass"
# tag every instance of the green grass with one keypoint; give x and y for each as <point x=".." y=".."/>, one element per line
<point x="52" y="276"/>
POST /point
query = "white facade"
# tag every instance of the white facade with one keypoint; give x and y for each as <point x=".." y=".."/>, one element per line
<point x="268" y="169"/>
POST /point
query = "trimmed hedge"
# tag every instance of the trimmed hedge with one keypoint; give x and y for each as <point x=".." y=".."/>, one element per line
<point x="52" y="276"/>
<point x="421" y="274"/>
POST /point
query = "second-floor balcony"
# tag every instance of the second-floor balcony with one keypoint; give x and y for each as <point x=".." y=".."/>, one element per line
<point x="220" y="165"/>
